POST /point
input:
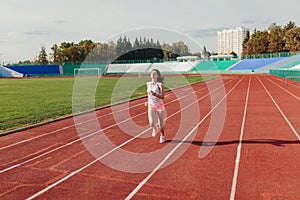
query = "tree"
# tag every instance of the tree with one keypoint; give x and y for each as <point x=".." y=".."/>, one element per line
<point x="42" y="57"/>
<point x="292" y="39"/>
<point x="106" y="52"/>
<point x="248" y="48"/>
<point x="289" y="26"/>
<point x="258" y="43"/>
<point x="247" y="38"/>
<point x="175" y="50"/>
<point x="72" y="52"/>
<point x="64" y="52"/>
<point x="55" y="54"/>
<point x="25" y="62"/>
<point x="85" y="47"/>
<point x="168" y="51"/>
<point x="261" y="42"/>
<point x="136" y="44"/>
<point x="180" y="48"/>
<point x="141" y="49"/>
<point x="275" y="39"/>
<point x="121" y="47"/>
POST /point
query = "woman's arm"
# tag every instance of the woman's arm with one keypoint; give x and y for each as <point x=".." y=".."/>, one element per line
<point x="161" y="94"/>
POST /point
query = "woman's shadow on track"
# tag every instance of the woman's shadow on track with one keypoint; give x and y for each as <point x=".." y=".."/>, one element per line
<point x="274" y="142"/>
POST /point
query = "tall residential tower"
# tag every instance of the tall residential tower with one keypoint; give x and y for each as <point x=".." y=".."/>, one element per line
<point x="231" y="40"/>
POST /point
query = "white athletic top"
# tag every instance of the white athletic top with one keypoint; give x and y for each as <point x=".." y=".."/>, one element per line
<point x="155" y="88"/>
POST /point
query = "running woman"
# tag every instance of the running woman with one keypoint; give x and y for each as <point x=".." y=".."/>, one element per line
<point x="156" y="108"/>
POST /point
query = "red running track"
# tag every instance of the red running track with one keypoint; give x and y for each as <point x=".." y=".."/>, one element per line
<point x="256" y="155"/>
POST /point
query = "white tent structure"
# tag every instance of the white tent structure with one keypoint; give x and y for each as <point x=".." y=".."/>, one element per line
<point x="5" y="72"/>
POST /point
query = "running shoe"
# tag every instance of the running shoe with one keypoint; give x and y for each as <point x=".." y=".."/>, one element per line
<point x="162" y="139"/>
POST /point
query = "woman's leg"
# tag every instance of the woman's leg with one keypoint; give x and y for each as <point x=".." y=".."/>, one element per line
<point x="152" y="118"/>
<point x="161" y="117"/>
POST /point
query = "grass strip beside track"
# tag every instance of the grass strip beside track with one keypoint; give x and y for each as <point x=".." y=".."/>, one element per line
<point x="26" y="102"/>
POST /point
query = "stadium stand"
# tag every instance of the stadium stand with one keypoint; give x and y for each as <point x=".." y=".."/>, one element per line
<point x="6" y="72"/>
<point x="36" y="70"/>
<point x="173" y="67"/>
<point x="292" y="65"/>
<point x="260" y="65"/>
<point x="296" y="67"/>
<point x="166" y="67"/>
<point x="224" y="65"/>
<point x="183" y="66"/>
<point x="286" y="63"/>
<point x="162" y="67"/>
<point x="214" y="65"/>
<point x="253" y="64"/>
<point x="205" y="65"/>
<point x="127" y="68"/>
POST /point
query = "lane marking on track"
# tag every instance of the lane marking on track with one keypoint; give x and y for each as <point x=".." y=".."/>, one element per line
<point x="279" y="79"/>
<point x="284" y="89"/>
<point x="185" y="89"/>
<point x="143" y="182"/>
<point x="63" y="146"/>
<point x="111" y="151"/>
<point x="104" y="129"/>
<point x="282" y="113"/>
<point x="283" y="79"/>
<point x="239" y="148"/>
<point x="61" y="129"/>
<point x="294" y="83"/>
<point x="67" y="127"/>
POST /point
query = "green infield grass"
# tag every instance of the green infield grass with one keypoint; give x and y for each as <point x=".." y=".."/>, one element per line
<point x="30" y="101"/>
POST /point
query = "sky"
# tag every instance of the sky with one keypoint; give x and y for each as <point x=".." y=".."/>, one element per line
<point x="27" y="25"/>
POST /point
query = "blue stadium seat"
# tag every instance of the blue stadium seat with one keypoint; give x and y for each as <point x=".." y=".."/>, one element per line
<point x="252" y="64"/>
<point x="36" y="69"/>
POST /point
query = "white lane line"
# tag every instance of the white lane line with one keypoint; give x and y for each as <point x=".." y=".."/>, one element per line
<point x="63" y="146"/>
<point x="67" y="127"/>
<point x="36" y="137"/>
<point x="283" y="79"/>
<point x="239" y="148"/>
<point x="293" y="83"/>
<point x="93" y="133"/>
<point x="185" y="89"/>
<point x="143" y="182"/>
<point x="111" y="151"/>
<point x="282" y="113"/>
<point x="61" y="129"/>
<point x="279" y="79"/>
<point x="284" y="89"/>
<point x="84" y="167"/>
